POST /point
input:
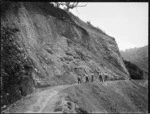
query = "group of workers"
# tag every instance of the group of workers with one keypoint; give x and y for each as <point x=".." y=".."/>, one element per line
<point x="102" y="77"/>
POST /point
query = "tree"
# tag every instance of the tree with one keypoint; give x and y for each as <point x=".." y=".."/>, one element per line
<point x="68" y="5"/>
<point x="57" y="4"/>
<point x="71" y="5"/>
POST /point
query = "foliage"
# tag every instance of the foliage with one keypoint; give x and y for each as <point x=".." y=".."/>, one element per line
<point x="15" y="66"/>
<point x="134" y="71"/>
<point x="138" y="56"/>
<point x="8" y="6"/>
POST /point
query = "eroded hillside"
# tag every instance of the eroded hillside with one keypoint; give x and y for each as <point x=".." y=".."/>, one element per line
<point x="58" y="46"/>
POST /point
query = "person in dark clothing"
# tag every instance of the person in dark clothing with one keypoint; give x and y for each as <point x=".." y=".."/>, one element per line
<point x="87" y="79"/>
<point x="100" y="77"/>
<point x="79" y="80"/>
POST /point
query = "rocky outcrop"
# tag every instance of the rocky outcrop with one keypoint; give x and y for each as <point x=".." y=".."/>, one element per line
<point x="60" y="46"/>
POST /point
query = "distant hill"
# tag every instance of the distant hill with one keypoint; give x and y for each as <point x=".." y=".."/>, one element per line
<point x="138" y="56"/>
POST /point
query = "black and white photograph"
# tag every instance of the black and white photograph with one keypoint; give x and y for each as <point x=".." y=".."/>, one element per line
<point x="74" y="57"/>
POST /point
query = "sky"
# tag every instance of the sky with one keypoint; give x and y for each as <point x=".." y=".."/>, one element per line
<point x="126" y="22"/>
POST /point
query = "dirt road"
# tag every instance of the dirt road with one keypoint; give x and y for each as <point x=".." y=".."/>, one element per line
<point x="37" y="102"/>
<point x="111" y="96"/>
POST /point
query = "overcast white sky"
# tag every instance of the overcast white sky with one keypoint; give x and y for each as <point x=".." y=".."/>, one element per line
<point x="126" y="22"/>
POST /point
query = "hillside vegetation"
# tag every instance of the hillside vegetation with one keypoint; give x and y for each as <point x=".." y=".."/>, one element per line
<point x="138" y="56"/>
<point x="134" y="71"/>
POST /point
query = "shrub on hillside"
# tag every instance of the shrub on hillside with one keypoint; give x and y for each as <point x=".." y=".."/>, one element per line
<point x="15" y="67"/>
<point x="134" y="71"/>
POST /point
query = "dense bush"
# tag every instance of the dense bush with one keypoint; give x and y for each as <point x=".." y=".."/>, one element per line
<point x="6" y="6"/>
<point x="134" y="71"/>
<point x="15" y="66"/>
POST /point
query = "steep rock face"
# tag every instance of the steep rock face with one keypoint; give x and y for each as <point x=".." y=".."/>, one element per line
<point x="61" y="46"/>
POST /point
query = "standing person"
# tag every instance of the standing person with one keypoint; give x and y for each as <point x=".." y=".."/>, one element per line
<point x="79" y="79"/>
<point x="86" y="79"/>
<point x="105" y="77"/>
<point x="92" y="77"/>
<point x="100" y="77"/>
